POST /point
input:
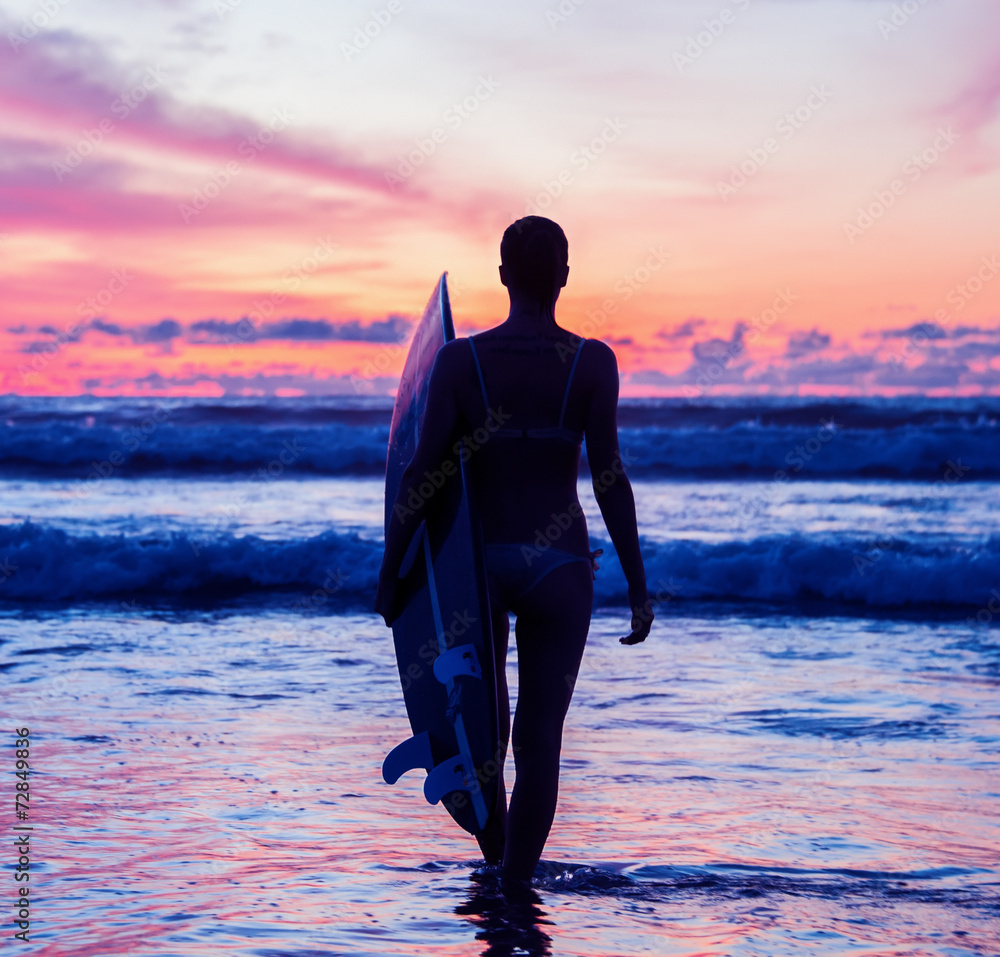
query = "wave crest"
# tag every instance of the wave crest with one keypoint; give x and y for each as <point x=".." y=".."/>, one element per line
<point x="334" y="570"/>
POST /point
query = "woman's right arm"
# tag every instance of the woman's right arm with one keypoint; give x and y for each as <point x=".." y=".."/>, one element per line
<point x="612" y="488"/>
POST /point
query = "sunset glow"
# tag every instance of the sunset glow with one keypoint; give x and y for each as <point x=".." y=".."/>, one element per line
<point x="760" y="196"/>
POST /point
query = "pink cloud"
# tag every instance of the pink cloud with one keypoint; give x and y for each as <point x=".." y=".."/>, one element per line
<point x="62" y="82"/>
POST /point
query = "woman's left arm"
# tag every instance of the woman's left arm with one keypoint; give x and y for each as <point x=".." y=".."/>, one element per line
<point x="433" y="455"/>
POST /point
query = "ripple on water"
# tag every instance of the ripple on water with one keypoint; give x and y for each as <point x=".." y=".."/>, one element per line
<point x="192" y="805"/>
<point x="847" y="726"/>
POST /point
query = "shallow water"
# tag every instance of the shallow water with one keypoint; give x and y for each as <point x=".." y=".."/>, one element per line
<point x="802" y="759"/>
<point x="208" y="783"/>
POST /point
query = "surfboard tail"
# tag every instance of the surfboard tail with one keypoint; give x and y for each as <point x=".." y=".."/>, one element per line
<point x="457" y="774"/>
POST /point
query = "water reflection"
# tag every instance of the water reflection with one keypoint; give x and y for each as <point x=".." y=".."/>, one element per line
<point x="772" y="786"/>
<point x="508" y="919"/>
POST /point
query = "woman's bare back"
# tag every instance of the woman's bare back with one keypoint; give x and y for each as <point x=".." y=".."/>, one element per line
<point x="526" y="484"/>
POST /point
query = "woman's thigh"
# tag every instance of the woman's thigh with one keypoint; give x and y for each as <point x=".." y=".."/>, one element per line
<point x="553" y="619"/>
<point x="501" y="633"/>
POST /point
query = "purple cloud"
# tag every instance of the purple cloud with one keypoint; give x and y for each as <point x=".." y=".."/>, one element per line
<point x="805" y="343"/>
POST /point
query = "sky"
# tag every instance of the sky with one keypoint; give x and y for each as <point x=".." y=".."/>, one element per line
<point x="236" y="197"/>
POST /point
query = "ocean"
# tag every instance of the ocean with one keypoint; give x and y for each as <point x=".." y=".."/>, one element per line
<point x="802" y="758"/>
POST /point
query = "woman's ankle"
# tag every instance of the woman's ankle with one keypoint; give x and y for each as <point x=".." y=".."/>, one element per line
<point x="491" y="842"/>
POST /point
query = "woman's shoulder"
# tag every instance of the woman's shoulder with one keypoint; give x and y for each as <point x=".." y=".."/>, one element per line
<point x="598" y="352"/>
<point x="455" y="349"/>
<point x="593" y="344"/>
<point x="456" y="360"/>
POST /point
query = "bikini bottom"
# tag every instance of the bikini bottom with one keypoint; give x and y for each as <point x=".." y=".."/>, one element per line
<point x="520" y="567"/>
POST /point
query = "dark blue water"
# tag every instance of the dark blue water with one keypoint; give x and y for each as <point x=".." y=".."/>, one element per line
<point x="803" y="757"/>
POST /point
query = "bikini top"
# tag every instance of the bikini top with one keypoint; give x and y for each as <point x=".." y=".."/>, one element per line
<point x="559" y="432"/>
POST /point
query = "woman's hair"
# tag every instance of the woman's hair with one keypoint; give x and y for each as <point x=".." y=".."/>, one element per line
<point x="534" y="252"/>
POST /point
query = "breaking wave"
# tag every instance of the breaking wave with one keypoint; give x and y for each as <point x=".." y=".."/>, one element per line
<point x="338" y="570"/>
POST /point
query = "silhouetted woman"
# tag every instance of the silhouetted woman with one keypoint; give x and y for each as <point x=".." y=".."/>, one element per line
<point x="556" y="388"/>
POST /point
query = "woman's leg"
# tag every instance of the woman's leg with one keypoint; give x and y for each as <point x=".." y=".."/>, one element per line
<point x="553" y="619"/>
<point x="491" y="841"/>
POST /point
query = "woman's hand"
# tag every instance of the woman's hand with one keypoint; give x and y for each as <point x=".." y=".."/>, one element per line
<point x="642" y="621"/>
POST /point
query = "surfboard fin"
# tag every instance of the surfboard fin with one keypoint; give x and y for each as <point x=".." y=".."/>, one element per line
<point x="460" y="660"/>
<point x="414" y="752"/>
<point x="455" y="774"/>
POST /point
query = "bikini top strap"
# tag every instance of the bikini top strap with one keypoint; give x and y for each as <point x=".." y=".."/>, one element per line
<point x="569" y="381"/>
<point x="479" y="371"/>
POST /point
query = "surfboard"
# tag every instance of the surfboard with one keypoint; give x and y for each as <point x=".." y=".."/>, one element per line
<point x="442" y="636"/>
